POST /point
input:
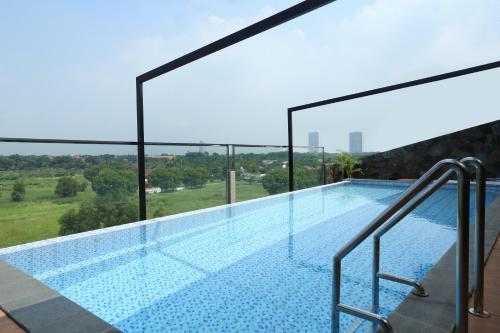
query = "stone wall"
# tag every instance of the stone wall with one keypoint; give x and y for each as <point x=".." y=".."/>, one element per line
<point x="413" y="160"/>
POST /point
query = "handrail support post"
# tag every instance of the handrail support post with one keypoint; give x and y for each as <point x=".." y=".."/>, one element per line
<point x="479" y="230"/>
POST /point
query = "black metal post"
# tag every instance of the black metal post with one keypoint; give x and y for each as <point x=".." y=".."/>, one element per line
<point x="141" y="156"/>
<point x="290" y="151"/>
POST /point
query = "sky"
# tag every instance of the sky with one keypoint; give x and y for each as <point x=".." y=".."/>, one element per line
<point x="68" y="68"/>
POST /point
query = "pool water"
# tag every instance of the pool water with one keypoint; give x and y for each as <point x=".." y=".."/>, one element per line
<point x="260" y="266"/>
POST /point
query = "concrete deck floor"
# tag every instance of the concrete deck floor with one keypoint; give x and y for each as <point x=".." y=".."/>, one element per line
<point x="7" y="325"/>
<point x="491" y="296"/>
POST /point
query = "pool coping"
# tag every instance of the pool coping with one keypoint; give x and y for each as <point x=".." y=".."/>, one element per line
<point x="436" y="313"/>
<point x="39" y="309"/>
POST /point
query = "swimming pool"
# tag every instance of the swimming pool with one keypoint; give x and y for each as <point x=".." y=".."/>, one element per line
<point x="259" y="266"/>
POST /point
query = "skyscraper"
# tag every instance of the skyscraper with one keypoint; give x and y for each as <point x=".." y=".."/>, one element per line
<point x="201" y="150"/>
<point x="356" y="142"/>
<point x="313" y="142"/>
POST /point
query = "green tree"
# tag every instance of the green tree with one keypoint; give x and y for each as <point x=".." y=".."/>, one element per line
<point x="91" y="216"/>
<point x="306" y="177"/>
<point x="121" y="166"/>
<point x="67" y="187"/>
<point x="160" y="212"/>
<point x="168" y="179"/>
<point x="195" y="177"/>
<point x="82" y="186"/>
<point x="6" y="163"/>
<point x="251" y="167"/>
<point x="346" y="165"/>
<point x="276" y="181"/>
<point x="116" y="213"/>
<point x="83" y="219"/>
<point x="114" y="185"/>
<point x="18" y="191"/>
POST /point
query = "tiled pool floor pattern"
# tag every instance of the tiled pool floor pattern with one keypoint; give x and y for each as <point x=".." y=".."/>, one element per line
<point x="257" y="267"/>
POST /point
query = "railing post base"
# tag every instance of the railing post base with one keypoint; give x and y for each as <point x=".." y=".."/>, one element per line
<point x="481" y="314"/>
<point x="419" y="293"/>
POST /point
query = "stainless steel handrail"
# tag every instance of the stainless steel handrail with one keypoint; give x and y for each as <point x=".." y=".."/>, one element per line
<point x="462" y="278"/>
<point x="419" y="290"/>
<point x="478" y="276"/>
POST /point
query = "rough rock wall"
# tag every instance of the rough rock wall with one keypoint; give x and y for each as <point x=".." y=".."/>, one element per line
<point x="413" y="160"/>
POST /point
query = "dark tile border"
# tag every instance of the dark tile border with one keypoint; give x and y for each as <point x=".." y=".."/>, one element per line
<point x="39" y="309"/>
<point x="436" y="313"/>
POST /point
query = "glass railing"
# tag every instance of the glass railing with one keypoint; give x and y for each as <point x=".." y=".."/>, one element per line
<point x="308" y="167"/>
<point x="48" y="189"/>
<point x="181" y="178"/>
<point x="51" y="188"/>
<point x="260" y="171"/>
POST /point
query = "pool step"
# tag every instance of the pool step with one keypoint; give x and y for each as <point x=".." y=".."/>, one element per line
<point x="361" y="326"/>
<point x="355" y="325"/>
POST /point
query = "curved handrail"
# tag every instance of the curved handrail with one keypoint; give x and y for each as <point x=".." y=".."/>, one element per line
<point x="419" y="289"/>
<point x="478" y="277"/>
<point x="462" y="278"/>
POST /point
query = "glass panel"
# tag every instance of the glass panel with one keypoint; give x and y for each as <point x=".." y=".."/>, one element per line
<point x="260" y="171"/>
<point x="401" y="134"/>
<point x="308" y="166"/>
<point x="182" y="179"/>
<point x="48" y="190"/>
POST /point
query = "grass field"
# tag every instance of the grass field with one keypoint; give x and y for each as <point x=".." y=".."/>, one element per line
<point x="36" y="217"/>
<point x="213" y="194"/>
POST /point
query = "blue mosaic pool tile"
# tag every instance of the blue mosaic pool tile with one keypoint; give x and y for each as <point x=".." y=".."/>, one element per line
<point x="261" y="266"/>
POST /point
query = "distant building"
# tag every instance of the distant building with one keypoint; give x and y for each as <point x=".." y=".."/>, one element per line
<point x="202" y="148"/>
<point x="163" y="157"/>
<point x="313" y="142"/>
<point x="356" y="142"/>
<point x="153" y="190"/>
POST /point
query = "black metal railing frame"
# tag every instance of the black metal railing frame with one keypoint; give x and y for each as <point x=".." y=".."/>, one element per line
<point x="377" y="91"/>
<point x="257" y="28"/>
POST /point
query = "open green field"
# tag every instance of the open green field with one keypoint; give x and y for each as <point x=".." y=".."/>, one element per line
<point x="213" y="194"/>
<point x="36" y="217"/>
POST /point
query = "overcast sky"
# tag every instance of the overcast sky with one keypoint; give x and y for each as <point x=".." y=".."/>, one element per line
<point x="68" y="68"/>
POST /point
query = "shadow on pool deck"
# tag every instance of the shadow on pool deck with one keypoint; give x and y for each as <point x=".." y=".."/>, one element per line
<point x="39" y="309"/>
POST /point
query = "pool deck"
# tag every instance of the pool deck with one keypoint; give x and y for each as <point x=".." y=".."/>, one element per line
<point x="39" y="309"/>
<point x="436" y="313"/>
<point x="492" y="296"/>
<point x="7" y="325"/>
